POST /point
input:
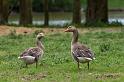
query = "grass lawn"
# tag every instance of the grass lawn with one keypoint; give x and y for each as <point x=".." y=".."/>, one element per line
<point x="57" y="64"/>
<point x="117" y="4"/>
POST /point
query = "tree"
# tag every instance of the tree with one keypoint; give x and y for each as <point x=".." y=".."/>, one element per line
<point x="97" y="11"/>
<point x="1" y="4"/>
<point x="25" y="12"/>
<point x="46" y="13"/>
<point x="102" y="7"/>
<point x="4" y="11"/>
<point x="76" y="12"/>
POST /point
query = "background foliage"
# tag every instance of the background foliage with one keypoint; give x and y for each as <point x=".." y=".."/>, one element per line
<point x="65" y="5"/>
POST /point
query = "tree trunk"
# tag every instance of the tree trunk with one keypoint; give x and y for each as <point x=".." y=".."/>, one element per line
<point x="97" y="11"/>
<point x="4" y="7"/>
<point x="102" y="7"/>
<point x="46" y="13"/>
<point x="1" y="4"/>
<point x="25" y="12"/>
<point x="91" y="11"/>
<point x="76" y="12"/>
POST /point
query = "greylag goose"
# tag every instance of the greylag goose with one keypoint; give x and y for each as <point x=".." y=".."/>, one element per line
<point x="80" y="52"/>
<point x="32" y="55"/>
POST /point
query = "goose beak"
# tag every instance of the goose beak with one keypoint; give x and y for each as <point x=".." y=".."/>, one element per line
<point x="67" y="30"/>
<point x="43" y="34"/>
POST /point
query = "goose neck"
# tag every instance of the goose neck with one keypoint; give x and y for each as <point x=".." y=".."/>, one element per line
<point x="39" y="43"/>
<point x="75" y="37"/>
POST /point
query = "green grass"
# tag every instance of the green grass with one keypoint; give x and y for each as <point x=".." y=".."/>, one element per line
<point x="58" y="65"/>
<point x="118" y="4"/>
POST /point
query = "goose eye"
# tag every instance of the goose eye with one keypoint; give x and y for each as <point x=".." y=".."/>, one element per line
<point x="69" y="27"/>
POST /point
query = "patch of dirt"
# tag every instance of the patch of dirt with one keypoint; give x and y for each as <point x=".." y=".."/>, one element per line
<point x="24" y="30"/>
<point x="5" y="30"/>
<point x="107" y="76"/>
<point x="33" y="77"/>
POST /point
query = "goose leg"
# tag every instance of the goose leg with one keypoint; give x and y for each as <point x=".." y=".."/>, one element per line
<point x="26" y="65"/>
<point x="36" y="63"/>
<point x="88" y="65"/>
<point x="78" y="65"/>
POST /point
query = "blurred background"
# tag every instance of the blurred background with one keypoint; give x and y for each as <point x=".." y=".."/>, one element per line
<point x="60" y="11"/>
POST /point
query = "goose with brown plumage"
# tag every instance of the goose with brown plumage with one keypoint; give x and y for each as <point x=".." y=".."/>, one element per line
<point x="32" y="55"/>
<point x="80" y="52"/>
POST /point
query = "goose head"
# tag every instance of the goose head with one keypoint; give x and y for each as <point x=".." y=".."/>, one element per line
<point x="75" y="33"/>
<point x="71" y="29"/>
<point x="40" y="35"/>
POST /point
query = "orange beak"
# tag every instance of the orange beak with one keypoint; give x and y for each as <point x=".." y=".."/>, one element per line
<point x="67" y="30"/>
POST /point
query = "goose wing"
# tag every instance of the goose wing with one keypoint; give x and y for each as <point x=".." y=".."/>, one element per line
<point x="82" y="51"/>
<point x="35" y="52"/>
